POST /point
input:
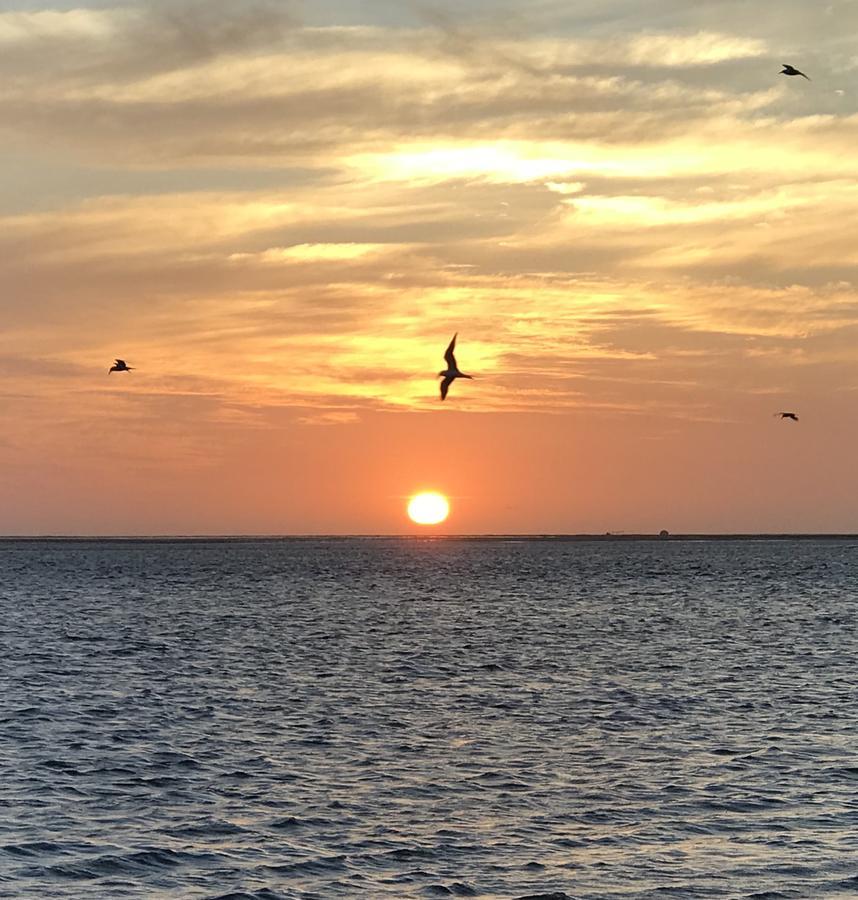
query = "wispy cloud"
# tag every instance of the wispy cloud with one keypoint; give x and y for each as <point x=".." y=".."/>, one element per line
<point x="281" y="223"/>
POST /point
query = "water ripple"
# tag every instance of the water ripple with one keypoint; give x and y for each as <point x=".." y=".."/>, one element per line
<point x="530" y="720"/>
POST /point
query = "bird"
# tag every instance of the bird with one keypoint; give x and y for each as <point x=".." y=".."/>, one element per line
<point x="791" y="70"/>
<point x="120" y="366"/>
<point x="452" y="371"/>
<point x="787" y="415"/>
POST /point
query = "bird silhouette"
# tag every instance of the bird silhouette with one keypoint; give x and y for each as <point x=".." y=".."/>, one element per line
<point x="120" y="366"/>
<point x="791" y="70"/>
<point x="787" y="415"/>
<point x="452" y="372"/>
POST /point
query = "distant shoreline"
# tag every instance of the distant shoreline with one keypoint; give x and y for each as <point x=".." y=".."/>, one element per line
<point x="470" y="538"/>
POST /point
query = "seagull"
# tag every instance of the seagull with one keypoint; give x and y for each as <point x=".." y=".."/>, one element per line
<point x="787" y="415"/>
<point x="120" y="366"/>
<point x="452" y="371"/>
<point x="791" y="70"/>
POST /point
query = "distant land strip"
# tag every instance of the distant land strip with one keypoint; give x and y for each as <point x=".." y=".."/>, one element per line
<point x="609" y="537"/>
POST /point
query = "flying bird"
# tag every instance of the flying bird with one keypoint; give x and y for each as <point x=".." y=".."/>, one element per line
<point x="120" y="366"/>
<point x="787" y="415"/>
<point x="791" y="70"/>
<point x="452" y="372"/>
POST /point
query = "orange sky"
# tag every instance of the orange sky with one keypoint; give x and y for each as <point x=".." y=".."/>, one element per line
<point x="644" y="236"/>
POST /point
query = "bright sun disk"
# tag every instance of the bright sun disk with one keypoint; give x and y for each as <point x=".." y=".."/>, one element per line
<point x="428" y="508"/>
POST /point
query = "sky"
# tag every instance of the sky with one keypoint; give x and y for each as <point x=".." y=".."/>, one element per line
<point x="280" y="212"/>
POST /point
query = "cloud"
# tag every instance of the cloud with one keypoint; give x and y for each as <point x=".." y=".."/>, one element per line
<point x="330" y="418"/>
<point x="158" y="35"/>
<point x="155" y="85"/>
<point x="612" y="220"/>
<point x="20" y="28"/>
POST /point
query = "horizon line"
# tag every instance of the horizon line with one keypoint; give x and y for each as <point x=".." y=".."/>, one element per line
<point x="486" y="536"/>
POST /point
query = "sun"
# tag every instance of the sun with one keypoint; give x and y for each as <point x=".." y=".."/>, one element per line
<point x="428" y="508"/>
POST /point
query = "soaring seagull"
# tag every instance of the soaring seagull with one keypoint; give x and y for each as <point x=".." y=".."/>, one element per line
<point x="791" y="70"/>
<point x="452" y="372"/>
<point x="787" y="415"/>
<point x="120" y="366"/>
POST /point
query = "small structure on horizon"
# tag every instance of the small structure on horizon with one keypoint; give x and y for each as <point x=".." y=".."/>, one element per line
<point x="664" y="533"/>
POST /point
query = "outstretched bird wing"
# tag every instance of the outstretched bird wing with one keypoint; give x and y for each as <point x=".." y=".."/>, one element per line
<point x="445" y="386"/>
<point x="448" y="355"/>
<point x="120" y="362"/>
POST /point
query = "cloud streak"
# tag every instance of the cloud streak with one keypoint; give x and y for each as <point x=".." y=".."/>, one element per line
<point x="281" y="223"/>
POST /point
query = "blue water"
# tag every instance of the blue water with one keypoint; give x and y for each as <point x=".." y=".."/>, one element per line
<point x="402" y="718"/>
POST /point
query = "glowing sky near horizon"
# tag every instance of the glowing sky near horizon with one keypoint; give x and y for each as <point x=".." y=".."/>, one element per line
<point x="280" y="213"/>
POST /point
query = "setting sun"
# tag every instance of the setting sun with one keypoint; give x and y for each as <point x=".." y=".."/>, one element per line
<point x="428" y="508"/>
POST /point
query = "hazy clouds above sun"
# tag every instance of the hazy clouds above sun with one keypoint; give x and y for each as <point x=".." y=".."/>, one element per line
<point x="280" y="212"/>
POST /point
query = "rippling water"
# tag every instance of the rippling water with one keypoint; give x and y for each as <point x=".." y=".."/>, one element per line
<point x="403" y="718"/>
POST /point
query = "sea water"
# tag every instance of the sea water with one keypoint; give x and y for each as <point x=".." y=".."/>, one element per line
<point x="428" y="718"/>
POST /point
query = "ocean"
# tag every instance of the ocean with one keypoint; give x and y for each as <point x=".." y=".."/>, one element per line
<point x="398" y="718"/>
